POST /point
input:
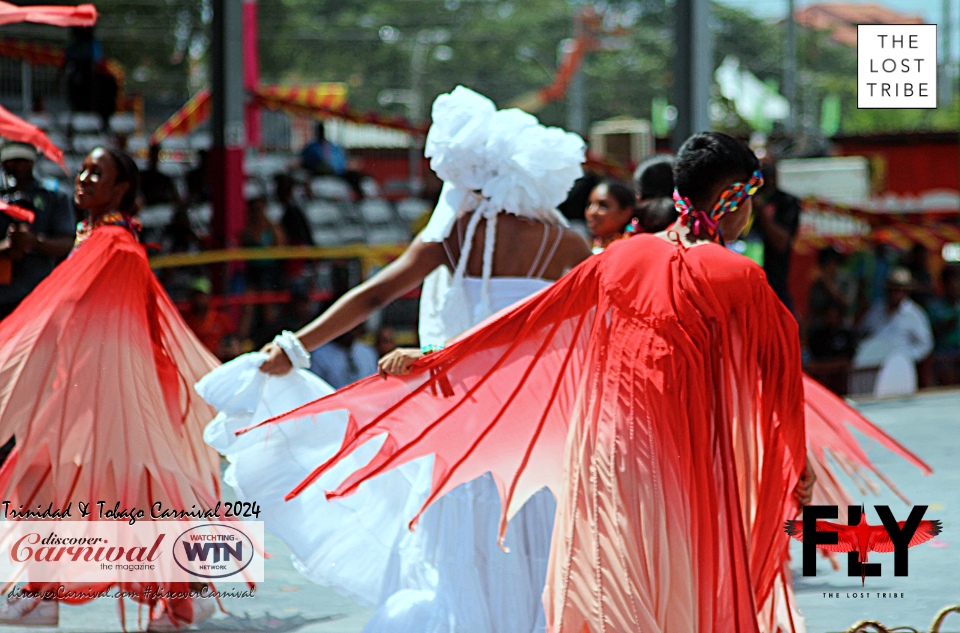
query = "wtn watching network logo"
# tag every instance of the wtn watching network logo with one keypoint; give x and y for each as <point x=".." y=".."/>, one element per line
<point x="213" y="551"/>
<point x="859" y="539"/>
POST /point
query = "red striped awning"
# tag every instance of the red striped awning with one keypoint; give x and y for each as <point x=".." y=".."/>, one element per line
<point x="188" y="118"/>
<point x="326" y="97"/>
<point x="330" y="95"/>
<point x="848" y="229"/>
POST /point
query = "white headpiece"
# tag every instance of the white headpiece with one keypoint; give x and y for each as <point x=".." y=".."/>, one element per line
<point x="516" y="164"/>
<point x="495" y="160"/>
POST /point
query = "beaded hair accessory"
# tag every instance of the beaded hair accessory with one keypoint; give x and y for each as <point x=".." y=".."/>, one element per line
<point x="702" y="223"/>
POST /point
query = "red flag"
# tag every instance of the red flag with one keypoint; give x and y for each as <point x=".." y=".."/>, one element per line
<point x="13" y="128"/>
<point x="83" y="15"/>
<point x="15" y="212"/>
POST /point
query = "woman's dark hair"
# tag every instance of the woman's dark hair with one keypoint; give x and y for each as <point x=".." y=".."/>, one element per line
<point x="656" y="214"/>
<point x="709" y="160"/>
<point x="621" y="192"/>
<point x="127" y="171"/>
<point x="654" y="177"/>
<point x="654" y="180"/>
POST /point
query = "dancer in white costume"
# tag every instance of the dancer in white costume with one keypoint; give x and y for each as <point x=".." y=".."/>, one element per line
<point x="495" y="238"/>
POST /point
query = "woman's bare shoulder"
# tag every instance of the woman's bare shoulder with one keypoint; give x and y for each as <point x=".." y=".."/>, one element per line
<point x="574" y="247"/>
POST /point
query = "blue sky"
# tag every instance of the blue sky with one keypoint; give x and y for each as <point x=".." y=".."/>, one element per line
<point x="930" y="10"/>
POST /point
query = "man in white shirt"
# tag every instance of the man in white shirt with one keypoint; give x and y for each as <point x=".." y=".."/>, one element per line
<point x="896" y="325"/>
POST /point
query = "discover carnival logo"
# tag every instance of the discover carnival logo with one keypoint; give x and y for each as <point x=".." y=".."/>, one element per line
<point x="213" y="550"/>
<point x="110" y="552"/>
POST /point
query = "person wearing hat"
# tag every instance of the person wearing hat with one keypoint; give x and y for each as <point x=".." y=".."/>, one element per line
<point x="896" y="325"/>
<point x="29" y="251"/>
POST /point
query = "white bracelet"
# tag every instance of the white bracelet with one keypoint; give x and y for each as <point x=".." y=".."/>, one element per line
<point x="294" y="349"/>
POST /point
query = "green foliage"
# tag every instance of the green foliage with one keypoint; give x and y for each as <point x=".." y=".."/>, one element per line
<point x="502" y="48"/>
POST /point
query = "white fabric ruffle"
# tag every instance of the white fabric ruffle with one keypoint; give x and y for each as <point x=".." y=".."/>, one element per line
<point x="518" y="165"/>
<point x="344" y="544"/>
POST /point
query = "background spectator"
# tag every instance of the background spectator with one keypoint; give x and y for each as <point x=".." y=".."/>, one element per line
<point x="945" y="319"/>
<point x="871" y="270"/>
<point x="344" y="360"/>
<point x="831" y="340"/>
<point x="322" y="157"/>
<point x="295" y="225"/>
<point x="81" y="56"/>
<point x="156" y="186"/>
<point x="29" y="251"/>
<point x="385" y="341"/>
<point x="261" y="274"/>
<point x="294" y="221"/>
<point x="210" y="325"/>
<point x="831" y="345"/>
<point x="916" y="262"/>
<point x="261" y="231"/>
<point x="777" y="219"/>
<point x="198" y="178"/>
<point x="178" y="235"/>
<point x="895" y="325"/>
<point x="831" y="287"/>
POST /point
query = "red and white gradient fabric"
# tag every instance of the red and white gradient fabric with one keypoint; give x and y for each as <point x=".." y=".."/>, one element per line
<point x="82" y="15"/>
<point x="96" y="369"/>
<point x="17" y="213"/>
<point x="657" y="392"/>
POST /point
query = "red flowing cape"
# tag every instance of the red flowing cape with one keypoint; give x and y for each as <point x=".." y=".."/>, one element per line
<point x="656" y="390"/>
<point x="13" y="128"/>
<point x="96" y="369"/>
<point x="82" y="15"/>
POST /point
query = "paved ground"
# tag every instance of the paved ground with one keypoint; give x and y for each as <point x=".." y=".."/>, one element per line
<point x="929" y="425"/>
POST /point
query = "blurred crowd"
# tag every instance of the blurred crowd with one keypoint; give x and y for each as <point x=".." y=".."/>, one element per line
<point x="871" y="307"/>
<point x="864" y="310"/>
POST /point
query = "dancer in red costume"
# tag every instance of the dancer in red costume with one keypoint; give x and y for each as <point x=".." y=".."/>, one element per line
<point x="656" y="389"/>
<point x="95" y="372"/>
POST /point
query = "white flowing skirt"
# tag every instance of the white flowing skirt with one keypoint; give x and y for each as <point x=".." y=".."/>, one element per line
<point x="447" y="576"/>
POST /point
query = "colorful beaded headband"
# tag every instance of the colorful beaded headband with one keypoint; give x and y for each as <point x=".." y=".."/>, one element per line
<point x="702" y="223"/>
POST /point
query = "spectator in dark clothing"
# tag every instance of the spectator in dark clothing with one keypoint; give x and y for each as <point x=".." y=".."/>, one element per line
<point x="945" y="320"/>
<point x="30" y="251"/>
<point x="210" y="325"/>
<point x="179" y="236"/>
<point x="294" y="222"/>
<point x="832" y="341"/>
<point x="916" y="262"/>
<point x="156" y="186"/>
<point x="777" y="221"/>
<point x="295" y="226"/>
<point x="831" y="287"/>
<point x="385" y="341"/>
<point x="198" y="178"/>
<point x="81" y="57"/>
<point x="832" y="347"/>
<point x="322" y="157"/>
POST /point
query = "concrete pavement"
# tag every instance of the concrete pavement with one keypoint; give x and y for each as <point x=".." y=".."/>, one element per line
<point x="928" y="424"/>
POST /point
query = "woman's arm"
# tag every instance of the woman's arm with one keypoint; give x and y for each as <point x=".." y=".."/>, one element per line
<point x="395" y="280"/>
